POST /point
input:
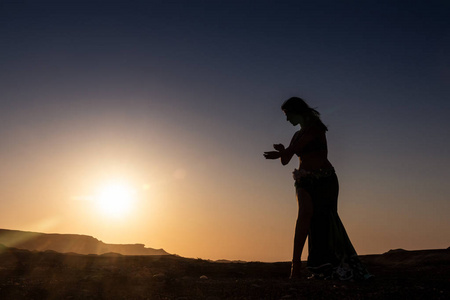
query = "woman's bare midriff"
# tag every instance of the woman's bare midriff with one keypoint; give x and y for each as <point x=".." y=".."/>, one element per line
<point x="314" y="161"/>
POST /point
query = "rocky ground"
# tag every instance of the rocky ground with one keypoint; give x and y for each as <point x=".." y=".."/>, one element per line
<point x="398" y="274"/>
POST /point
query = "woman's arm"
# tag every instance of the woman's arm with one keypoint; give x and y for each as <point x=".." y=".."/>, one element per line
<point x="281" y="152"/>
<point x="299" y="140"/>
<point x="285" y="154"/>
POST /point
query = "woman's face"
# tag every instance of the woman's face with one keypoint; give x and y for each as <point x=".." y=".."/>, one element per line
<point x="295" y="119"/>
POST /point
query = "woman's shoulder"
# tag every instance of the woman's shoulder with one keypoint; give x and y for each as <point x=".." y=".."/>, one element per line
<point x="317" y="127"/>
<point x="313" y="133"/>
<point x="296" y="135"/>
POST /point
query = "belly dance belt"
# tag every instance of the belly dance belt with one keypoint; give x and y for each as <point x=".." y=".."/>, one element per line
<point x="315" y="174"/>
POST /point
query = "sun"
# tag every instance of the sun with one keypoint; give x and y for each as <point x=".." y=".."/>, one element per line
<point x="115" y="200"/>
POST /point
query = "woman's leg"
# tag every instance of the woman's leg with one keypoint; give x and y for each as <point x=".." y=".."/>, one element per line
<point x="305" y="212"/>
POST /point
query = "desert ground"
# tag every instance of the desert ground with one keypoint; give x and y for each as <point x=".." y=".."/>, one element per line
<point x="399" y="274"/>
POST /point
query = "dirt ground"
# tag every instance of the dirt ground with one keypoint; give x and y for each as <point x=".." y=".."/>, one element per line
<point x="398" y="274"/>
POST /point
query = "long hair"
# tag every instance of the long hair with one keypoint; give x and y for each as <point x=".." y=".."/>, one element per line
<point x="298" y="106"/>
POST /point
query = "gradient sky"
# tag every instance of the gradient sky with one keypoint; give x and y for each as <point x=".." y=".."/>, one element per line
<point x="179" y="99"/>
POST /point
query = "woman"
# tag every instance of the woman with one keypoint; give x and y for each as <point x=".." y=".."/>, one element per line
<point x="331" y="254"/>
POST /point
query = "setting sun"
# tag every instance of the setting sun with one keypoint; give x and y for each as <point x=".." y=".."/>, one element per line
<point x="115" y="199"/>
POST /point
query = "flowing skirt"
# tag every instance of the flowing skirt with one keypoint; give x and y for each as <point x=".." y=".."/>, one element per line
<point x="330" y="251"/>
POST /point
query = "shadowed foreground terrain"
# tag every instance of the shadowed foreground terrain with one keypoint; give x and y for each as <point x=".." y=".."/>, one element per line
<point x="399" y="274"/>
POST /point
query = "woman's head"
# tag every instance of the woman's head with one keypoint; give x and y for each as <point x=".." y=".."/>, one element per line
<point x="295" y="105"/>
<point x="299" y="112"/>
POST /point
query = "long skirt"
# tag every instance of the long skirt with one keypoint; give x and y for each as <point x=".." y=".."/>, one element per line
<point x="330" y="251"/>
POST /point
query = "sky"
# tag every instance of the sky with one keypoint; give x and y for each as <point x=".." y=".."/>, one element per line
<point x="174" y="102"/>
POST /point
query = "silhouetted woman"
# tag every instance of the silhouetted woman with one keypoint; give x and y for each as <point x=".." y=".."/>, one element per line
<point x="330" y="252"/>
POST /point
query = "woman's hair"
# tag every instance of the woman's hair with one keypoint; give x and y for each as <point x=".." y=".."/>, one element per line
<point x="298" y="106"/>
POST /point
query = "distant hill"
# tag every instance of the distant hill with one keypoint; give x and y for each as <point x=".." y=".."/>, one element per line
<point x="65" y="243"/>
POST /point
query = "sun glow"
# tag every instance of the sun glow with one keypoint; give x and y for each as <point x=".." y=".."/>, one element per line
<point x="115" y="200"/>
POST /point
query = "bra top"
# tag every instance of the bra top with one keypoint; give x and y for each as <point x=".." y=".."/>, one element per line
<point x="315" y="145"/>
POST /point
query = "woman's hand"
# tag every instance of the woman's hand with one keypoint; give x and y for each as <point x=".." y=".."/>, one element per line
<point x="272" y="155"/>
<point x="279" y="147"/>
